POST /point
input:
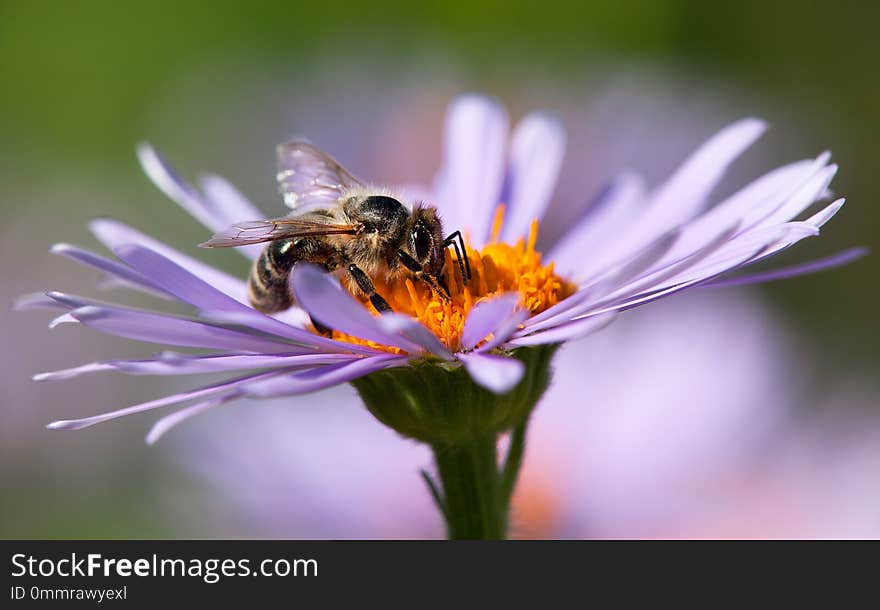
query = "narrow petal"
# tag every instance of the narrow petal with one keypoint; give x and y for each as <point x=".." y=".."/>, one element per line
<point x="635" y="267"/>
<point x="657" y="276"/>
<point x="234" y="207"/>
<point x="768" y="192"/>
<point x="642" y="298"/>
<point x="718" y="257"/>
<point x="713" y="260"/>
<point x="681" y="197"/>
<point x="72" y="372"/>
<point x="821" y="217"/>
<point x="168" y="330"/>
<point x="176" y="188"/>
<point x="220" y="206"/>
<point x="169" y="421"/>
<point x="505" y="330"/>
<point x="176" y="280"/>
<point x="226" y="200"/>
<point x="616" y="207"/>
<point x="811" y="226"/>
<point x="687" y="191"/>
<point x="78" y="424"/>
<point x="36" y="300"/>
<point x="107" y="266"/>
<point x="811" y="191"/>
<point x="498" y="374"/>
<point x="407" y="327"/>
<point x="316" y="342"/>
<point x="536" y="151"/>
<point x="569" y="331"/>
<point x="320" y="294"/>
<point x="323" y="377"/>
<point x="113" y="234"/>
<point x="173" y="363"/>
<point x="470" y="181"/>
<point x="829" y="262"/>
<point x="486" y="316"/>
<point x="731" y="255"/>
<point x="603" y="285"/>
<point x="63" y="319"/>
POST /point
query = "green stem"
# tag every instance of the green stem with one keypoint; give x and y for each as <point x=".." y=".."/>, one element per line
<point x="476" y="494"/>
<point x="472" y="490"/>
<point x="513" y="462"/>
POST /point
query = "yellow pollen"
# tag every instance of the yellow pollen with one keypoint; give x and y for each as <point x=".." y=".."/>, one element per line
<point x="496" y="268"/>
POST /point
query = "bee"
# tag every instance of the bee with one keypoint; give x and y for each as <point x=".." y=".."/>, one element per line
<point x="344" y="226"/>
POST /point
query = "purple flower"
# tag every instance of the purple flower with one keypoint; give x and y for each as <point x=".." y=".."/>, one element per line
<point x="632" y="247"/>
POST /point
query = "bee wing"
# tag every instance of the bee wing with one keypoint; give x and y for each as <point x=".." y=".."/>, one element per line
<point x="259" y="231"/>
<point x="307" y="176"/>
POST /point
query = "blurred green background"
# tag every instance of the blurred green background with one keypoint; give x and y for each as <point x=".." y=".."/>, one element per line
<point x="82" y="82"/>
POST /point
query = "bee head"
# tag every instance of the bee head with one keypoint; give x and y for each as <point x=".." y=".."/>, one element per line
<point x="426" y="241"/>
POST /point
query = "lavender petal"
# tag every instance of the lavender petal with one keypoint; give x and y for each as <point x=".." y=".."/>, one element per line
<point x="768" y="192"/>
<point x="681" y="197"/>
<point x="72" y="372"/>
<point x="113" y="234"/>
<point x="821" y="217"/>
<point x="233" y="207"/>
<point x="320" y="294"/>
<point x="323" y="377"/>
<point x="168" y="330"/>
<point x="775" y="186"/>
<point x="78" y="424"/>
<point x="687" y="191"/>
<point x="410" y="329"/>
<point x="302" y="337"/>
<point x="36" y="300"/>
<point x="505" y="330"/>
<point x="220" y="206"/>
<point x="812" y="190"/>
<point x="176" y="188"/>
<point x="470" y="181"/>
<point x="486" y="316"/>
<point x="569" y="331"/>
<point x="112" y="268"/>
<point x="169" y="421"/>
<point x="536" y="151"/>
<point x="498" y="374"/>
<point x="829" y="262"/>
<point x="605" y="220"/>
<point x="173" y="363"/>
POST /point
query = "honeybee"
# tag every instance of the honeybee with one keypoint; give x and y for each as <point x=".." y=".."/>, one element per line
<point x="344" y="226"/>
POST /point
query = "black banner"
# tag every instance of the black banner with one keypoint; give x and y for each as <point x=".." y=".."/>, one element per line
<point x="233" y="572"/>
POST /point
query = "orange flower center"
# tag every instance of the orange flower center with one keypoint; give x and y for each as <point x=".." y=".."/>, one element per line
<point x="496" y="268"/>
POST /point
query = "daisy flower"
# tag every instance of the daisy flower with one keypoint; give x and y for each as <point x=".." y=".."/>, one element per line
<point x="453" y="372"/>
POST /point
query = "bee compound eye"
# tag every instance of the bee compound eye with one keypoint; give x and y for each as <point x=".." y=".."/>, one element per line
<point x="421" y="240"/>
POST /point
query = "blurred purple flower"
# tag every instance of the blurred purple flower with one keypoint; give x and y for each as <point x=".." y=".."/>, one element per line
<point x="631" y="248"/>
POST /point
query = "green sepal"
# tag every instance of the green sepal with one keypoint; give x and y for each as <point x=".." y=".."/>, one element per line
<point x="437" y="402"/>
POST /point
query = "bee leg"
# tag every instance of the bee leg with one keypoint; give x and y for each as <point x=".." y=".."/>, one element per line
<point x="464" y="264"/>
<point x="366" y="285"/>
<point x="438" y="285"/>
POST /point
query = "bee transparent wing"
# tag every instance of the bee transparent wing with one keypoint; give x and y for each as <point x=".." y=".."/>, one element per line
<point x="309" y="177"/>
<point x="259" y="231"/>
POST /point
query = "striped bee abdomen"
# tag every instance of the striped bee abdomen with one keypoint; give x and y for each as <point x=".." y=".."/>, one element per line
<point x="269" y="281"/>
<point x="268" y="287"/>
